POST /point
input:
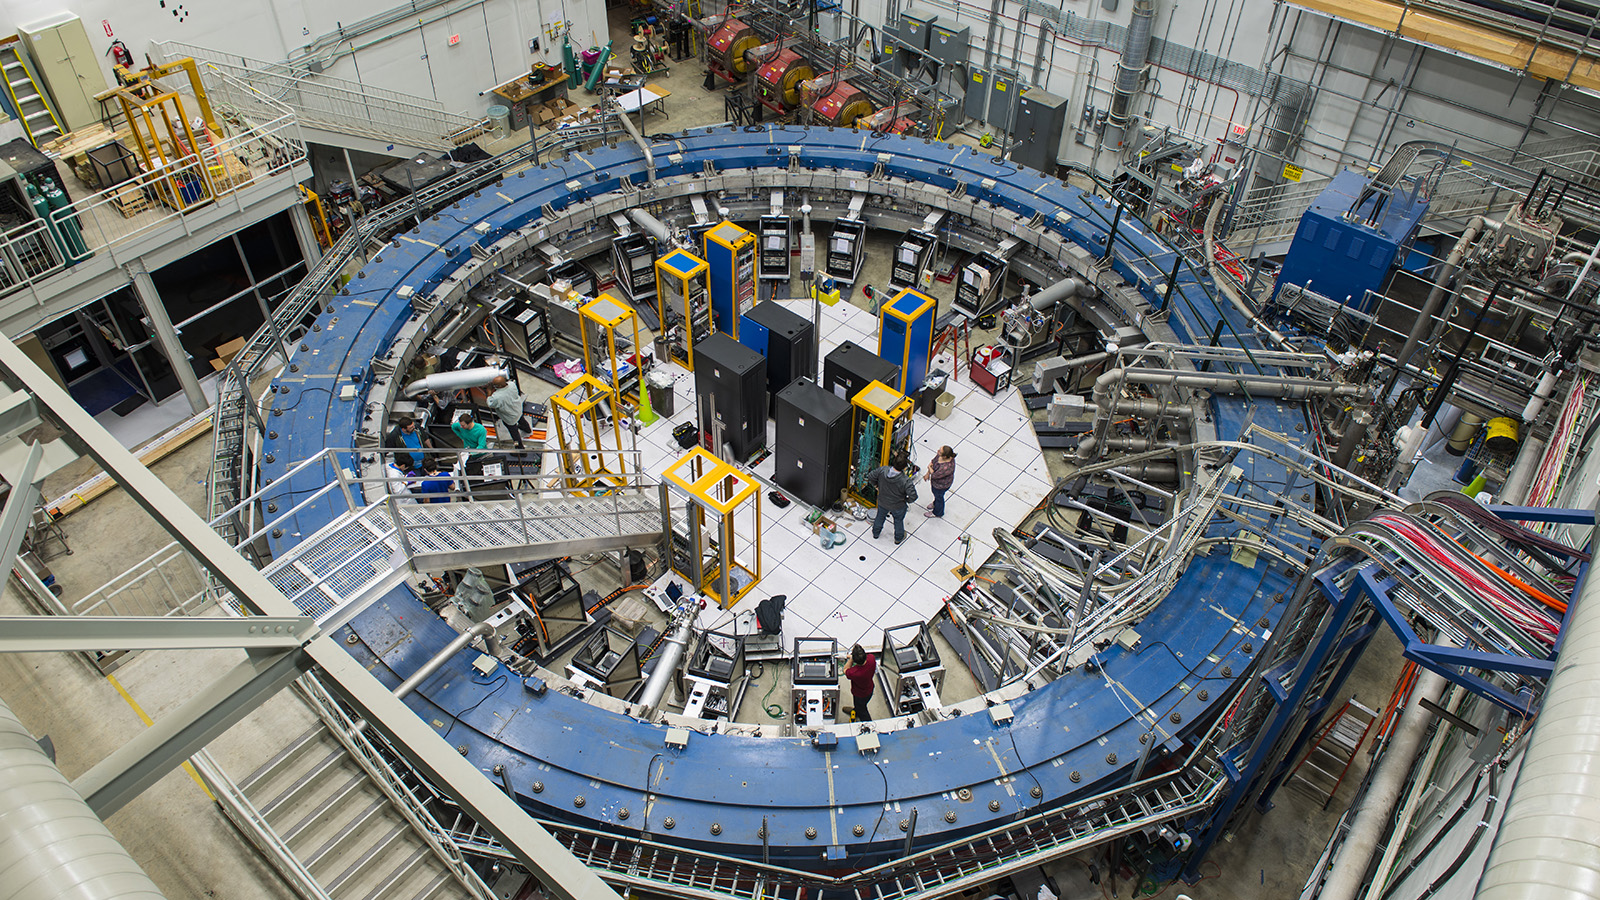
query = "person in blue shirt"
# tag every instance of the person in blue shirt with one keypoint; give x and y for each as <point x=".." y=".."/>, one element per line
<point x="436" y="482"/>
<point x="405" y="433"/>
<point x="473" y="435"/>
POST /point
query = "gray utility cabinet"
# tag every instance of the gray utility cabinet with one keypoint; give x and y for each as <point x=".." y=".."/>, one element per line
<point x="69" y="66"/>
<point x="1041" y="117"/>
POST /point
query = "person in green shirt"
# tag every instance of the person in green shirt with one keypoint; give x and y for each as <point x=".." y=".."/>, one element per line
<point x="473" y="435"/>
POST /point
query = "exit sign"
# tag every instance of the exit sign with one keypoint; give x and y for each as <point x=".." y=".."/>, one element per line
<point x="455" y="39"/>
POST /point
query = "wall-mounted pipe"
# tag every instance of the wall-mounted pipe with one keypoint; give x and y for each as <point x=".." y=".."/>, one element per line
<point x="454" y="381"/>
<point x="52" y="844"/>
<point x="1130" y="68"/>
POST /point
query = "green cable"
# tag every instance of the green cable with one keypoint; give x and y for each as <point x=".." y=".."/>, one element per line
<point x="769" y="707"/>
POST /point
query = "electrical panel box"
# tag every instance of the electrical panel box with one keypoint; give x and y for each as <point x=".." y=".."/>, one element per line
<point x="634" y="259"/>
<point x="1351" y="237"/>
<point x="977" y="96"/>
<point x="948" y="44"/>
<point x="905" y="337"/>
<point x="731" y="254"/>
<point x="1003" y="90"/>
<point x="730" y="383"/>
<point x="787" y="341"/>
<point x="812" y="450"/>
<point x="883" y="429"/>
<point x="682" y="305"/>
<point x="849" y="368"/>
<point x="1040" y="119"/>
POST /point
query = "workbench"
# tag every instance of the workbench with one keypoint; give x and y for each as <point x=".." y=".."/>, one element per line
<point x="521" y="97"/>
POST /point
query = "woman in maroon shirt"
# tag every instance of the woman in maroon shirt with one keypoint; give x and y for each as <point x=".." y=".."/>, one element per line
<point x="863" y="668"/>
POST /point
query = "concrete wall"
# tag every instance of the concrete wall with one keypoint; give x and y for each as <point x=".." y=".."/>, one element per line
<point x="412" y="56"/>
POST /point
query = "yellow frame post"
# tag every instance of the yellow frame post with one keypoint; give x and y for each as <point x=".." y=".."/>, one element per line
<point x="889" y="407"/>
<point x="584" y="467"/>
<point x="607" y="313"/>
<point x="717" y="490"/>
<point x="679" y="274"/>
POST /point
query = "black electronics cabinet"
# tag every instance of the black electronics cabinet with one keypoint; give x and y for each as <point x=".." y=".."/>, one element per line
<point x="812" y="451"/>
<point x="785" y="339"/>
<point x="850" y="367"/>
<point x="1040" y="119"/>
<point x="730" y="382"/>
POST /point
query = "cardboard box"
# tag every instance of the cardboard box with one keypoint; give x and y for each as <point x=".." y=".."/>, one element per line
<point x="543" y="115"/>
<point x="226" y="353"/>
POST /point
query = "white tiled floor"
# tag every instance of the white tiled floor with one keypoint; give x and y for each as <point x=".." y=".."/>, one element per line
<point x="852" y="591"/>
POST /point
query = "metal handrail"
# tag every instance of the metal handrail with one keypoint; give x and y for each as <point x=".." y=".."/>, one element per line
<point x="244" y="814"/>
<point x="344" y="728"/>
<point x="226" y="476"/>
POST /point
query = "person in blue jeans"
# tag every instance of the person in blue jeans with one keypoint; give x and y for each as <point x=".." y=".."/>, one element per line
<point x="940" y="475"/>
<point x="896" y="490"/>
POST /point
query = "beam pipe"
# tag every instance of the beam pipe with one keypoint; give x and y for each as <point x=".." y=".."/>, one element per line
<point x="482" y="629"/>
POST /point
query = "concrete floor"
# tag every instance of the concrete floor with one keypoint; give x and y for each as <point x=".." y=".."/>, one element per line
<point x="190" y="850"/>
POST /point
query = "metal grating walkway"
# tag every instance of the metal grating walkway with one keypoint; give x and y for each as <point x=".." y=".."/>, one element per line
<point x="333" y="573"/>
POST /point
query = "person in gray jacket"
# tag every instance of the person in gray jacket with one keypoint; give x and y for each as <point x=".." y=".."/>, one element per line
<point x="506" y="401"/>
<point x="896" y="490"/>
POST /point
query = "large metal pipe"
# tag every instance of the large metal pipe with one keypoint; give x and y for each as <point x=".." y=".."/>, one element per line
<point x="651" y="225"/>
<point x="644" y="145"/>
<point x="482" y="629"/>
<point x="672" y="651"/>
<point x="1430" y="306"/>
<point x="454" y="381"/>
<point x="1372" y="820"/>
<point x="1064" y="289"/>
<point x="1545" y="845"/>
<point x="51" y="844"/>
<point x="1130" y="67"/>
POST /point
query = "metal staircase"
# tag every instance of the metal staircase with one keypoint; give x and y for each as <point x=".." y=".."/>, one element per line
<point x="342" y="827"/>
<point x="27" y="96"/>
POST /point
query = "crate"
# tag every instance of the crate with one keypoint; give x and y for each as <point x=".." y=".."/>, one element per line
<point x="130" y="201"/>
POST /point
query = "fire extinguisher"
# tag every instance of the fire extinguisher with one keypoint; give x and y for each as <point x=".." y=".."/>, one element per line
<point x="120" y="55"/>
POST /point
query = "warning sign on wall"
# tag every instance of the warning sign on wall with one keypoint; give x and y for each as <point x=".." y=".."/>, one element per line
<point x="1292" y="172"/>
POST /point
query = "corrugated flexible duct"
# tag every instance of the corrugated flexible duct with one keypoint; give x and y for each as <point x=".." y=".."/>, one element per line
<point x="1545" y="848"/>
<point x="1130" y="68"/>
<point x="52" y="846"/>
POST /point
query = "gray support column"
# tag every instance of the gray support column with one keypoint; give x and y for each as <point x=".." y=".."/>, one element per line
<point x="165" y="334"/>
<point x="305" y="235"/>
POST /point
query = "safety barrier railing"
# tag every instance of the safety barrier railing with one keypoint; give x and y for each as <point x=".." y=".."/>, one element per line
<point x="325" y="102"/>
<point x="355" y="739"/>
<point x="227" y="479"/>
<point x="28" y="253"/>
<point x="1272" y="212"/>
<point x="169" y="191"/>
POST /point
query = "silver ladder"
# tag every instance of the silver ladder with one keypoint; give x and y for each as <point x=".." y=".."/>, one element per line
<point x="27" y="96"/>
